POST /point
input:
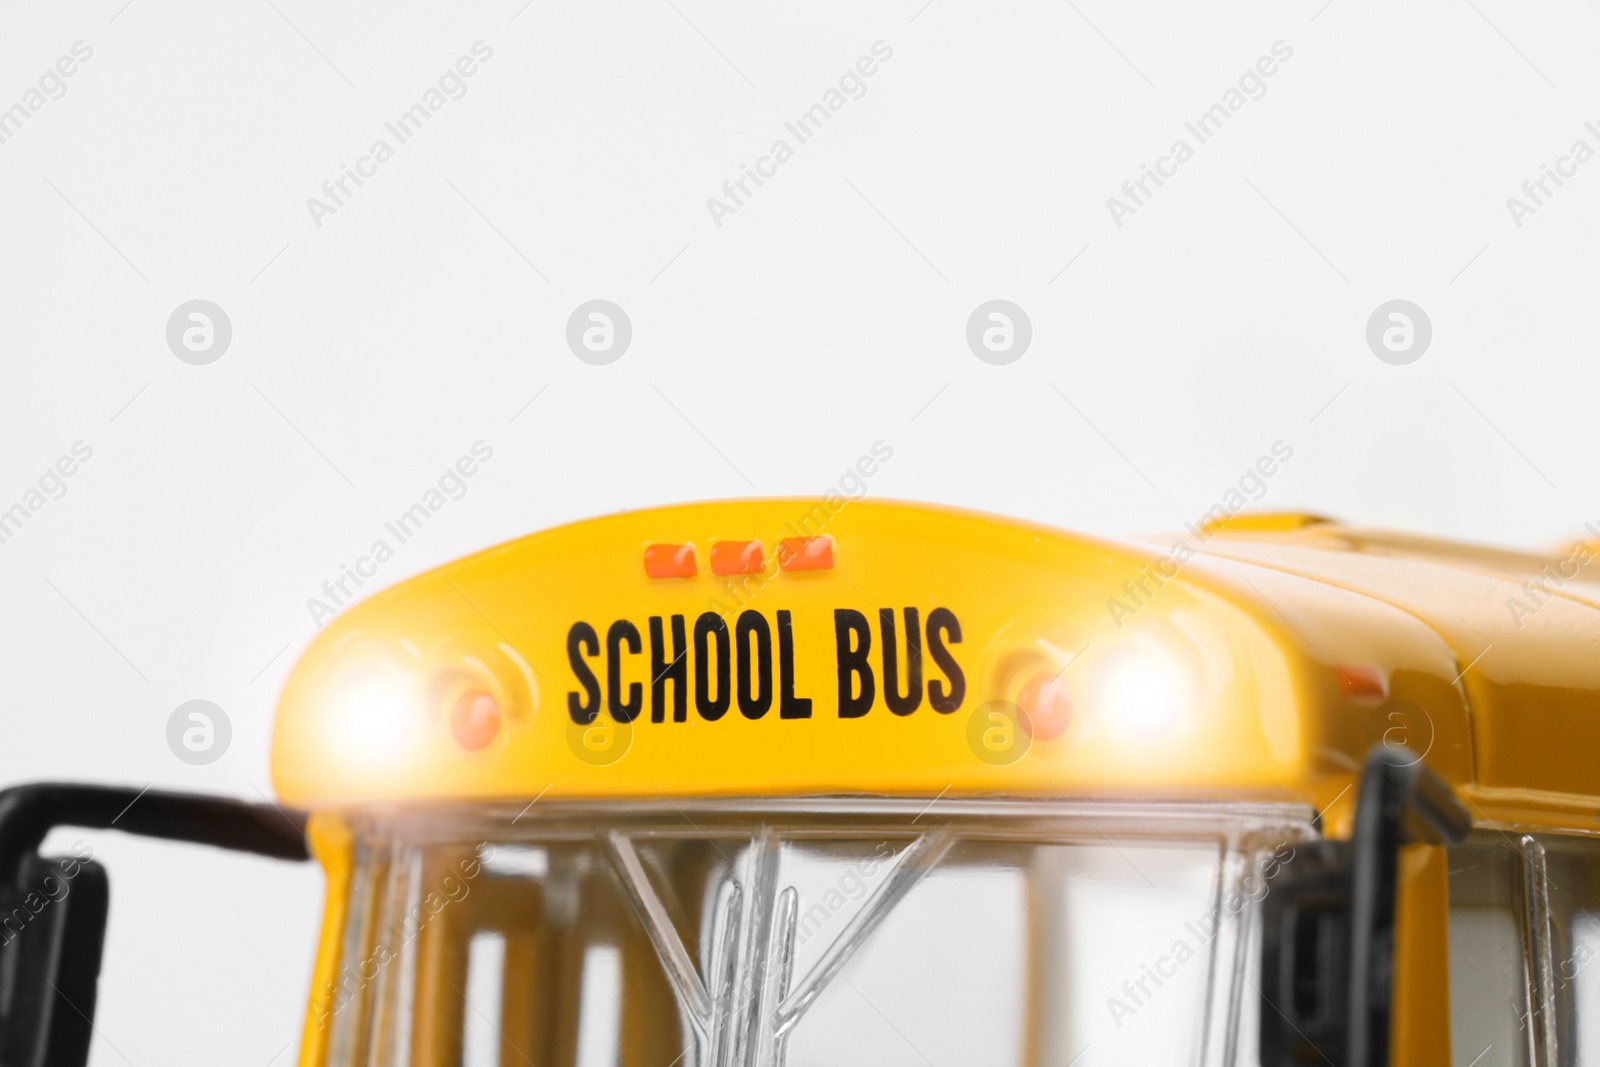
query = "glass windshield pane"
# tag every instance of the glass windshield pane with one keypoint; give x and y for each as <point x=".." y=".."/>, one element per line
<point x="1022" y="952"/>
<point x="1007" y="935"/>
<point x="1488" y="985"/>
<point x="1568" y="873"/>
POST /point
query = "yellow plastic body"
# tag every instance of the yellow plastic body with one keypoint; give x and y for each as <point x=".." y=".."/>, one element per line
<point x="332" y="845"/>
<point x="1420" y="1019"/>
<point x="1289" y="647"/>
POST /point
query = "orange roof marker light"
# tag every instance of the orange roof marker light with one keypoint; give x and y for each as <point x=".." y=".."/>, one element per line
<point x="1048" y="706"/>
<point x="806" y="554"/>
<point x="736" y="557"/>
<point x="1362" y="683"/>
<point x="475" y="720"/>
<point x="669" y="561"/>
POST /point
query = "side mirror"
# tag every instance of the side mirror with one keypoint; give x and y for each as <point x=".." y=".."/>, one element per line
<point x="1327" y="946"/>
<point x="53" y="909"/>
<point x="52" y="930"/>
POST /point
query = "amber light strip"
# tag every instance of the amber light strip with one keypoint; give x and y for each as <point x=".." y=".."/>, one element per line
<point x="806" y="554"/>
<point x="669" y="561"/>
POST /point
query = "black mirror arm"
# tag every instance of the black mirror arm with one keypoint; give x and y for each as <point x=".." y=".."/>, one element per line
<point x="1328" y="926"/>
<point x="29" y="812"/>
<point x="1401" y="802"/>
<point x="53" y="911"/>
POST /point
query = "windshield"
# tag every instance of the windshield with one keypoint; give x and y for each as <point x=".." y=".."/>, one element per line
<point x="815" y="935"/>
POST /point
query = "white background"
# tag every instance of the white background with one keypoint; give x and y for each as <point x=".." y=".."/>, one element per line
<point x="768" y="354"/>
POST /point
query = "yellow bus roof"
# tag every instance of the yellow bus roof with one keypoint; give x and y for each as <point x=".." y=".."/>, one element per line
<point x="1258" y="659"/>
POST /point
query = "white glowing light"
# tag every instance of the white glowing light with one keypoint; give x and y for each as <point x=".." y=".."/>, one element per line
<point x="1144" y="690"/>
<point x="375" y="717"/>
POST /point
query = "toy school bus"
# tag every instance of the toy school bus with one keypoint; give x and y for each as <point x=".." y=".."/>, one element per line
<point x="773" y="782"/>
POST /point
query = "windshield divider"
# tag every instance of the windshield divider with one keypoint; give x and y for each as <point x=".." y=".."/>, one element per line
<point x="922" y="855"/>
<point x="674" y="957"/>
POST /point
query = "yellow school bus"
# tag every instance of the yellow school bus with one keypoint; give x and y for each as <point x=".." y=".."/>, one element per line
<point x="824" y="782"/>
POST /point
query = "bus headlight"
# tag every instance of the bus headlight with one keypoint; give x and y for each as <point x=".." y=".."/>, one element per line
<point x="1142" y="688"/>
<point x="375" y="716"/>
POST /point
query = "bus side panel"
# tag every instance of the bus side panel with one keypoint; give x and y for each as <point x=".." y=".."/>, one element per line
<point x="1419" y="1033"/>
<point x="334" y="848"/>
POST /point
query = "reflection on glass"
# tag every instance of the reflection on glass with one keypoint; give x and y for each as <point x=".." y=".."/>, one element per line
<point x="486" y="963"/>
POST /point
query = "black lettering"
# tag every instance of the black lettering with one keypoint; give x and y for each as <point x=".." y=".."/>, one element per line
<point x="754" y="624"/>
<point x="789" y="705"/>
<point x="622" y="710"/>
<point x="662" y="671"/>
<point x="943" y="621"/>
<point x="853" y="662"/>
<point x="711" y="624"/>
<point x="911" y="700"/>
<point x="582" y="641"/>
